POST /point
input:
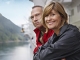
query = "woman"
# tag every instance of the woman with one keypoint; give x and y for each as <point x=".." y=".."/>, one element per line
<point x="65" y="43"/>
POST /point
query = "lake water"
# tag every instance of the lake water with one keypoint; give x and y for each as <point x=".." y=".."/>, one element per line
<point x="15" y="51"/>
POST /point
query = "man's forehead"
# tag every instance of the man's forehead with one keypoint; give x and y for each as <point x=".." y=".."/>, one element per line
<point x="35" y="13"/>
<point x="36" y="10"/>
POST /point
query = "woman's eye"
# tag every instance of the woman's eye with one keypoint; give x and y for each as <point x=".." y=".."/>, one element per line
<point x="53" y="14"/>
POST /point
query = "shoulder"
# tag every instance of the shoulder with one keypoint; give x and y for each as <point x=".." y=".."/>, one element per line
<point x="69" y="31"/>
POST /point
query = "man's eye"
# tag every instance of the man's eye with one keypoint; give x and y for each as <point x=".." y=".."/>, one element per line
<point x="32" y="17"/>
<point x="46" y="15"/>
<point x="37" y="14"/>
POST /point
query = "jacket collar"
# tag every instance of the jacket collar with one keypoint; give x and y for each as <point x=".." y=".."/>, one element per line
<point x="63" y="29"/>
<point x="36" y="30"/>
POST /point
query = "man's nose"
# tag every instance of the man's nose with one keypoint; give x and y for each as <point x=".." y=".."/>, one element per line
<point x="35" y="18"/>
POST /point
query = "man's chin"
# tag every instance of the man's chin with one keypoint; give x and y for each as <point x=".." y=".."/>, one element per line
<point x="38" y="26"/>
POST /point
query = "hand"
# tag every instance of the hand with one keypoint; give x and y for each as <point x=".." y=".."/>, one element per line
<point x="63" y="59"/>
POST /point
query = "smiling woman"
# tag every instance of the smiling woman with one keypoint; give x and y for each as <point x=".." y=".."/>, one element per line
<point x="65" y="43"/>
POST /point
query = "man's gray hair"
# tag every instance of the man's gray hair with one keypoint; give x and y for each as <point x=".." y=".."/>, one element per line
<point x="37" y="6"/>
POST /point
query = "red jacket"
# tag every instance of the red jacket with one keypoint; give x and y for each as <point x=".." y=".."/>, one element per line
<point x="44" y="38"/>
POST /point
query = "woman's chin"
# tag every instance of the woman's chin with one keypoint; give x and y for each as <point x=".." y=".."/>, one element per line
<point x="50" y="27"/>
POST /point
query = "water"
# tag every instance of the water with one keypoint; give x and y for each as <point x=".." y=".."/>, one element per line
<point x="15" y="51"/>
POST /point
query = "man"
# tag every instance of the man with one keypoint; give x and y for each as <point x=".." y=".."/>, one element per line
<point x="41" y="36"/>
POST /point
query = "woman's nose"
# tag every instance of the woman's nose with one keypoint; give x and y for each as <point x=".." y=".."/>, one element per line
<point x="48" y="17"/>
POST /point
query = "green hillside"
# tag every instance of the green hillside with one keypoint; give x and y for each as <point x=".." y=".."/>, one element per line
<point x="9" y="31"/>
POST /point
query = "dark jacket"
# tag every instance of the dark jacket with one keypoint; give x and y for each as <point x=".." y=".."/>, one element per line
<point x="44" y="38"/>
<point x="65" y="45"/>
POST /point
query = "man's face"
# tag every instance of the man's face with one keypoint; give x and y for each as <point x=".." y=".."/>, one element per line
<point x="36" y="16"/>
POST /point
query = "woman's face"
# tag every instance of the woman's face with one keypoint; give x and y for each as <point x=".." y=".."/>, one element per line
<point x="53" y="20"/>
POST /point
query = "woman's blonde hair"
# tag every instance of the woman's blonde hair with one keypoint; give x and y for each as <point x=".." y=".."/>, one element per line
<point x="58" y="8"/>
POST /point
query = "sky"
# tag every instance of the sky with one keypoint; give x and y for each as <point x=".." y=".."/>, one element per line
<point x="18" y="11"/>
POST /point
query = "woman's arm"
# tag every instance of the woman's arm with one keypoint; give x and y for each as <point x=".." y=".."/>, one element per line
<point x="60" y="49"/>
